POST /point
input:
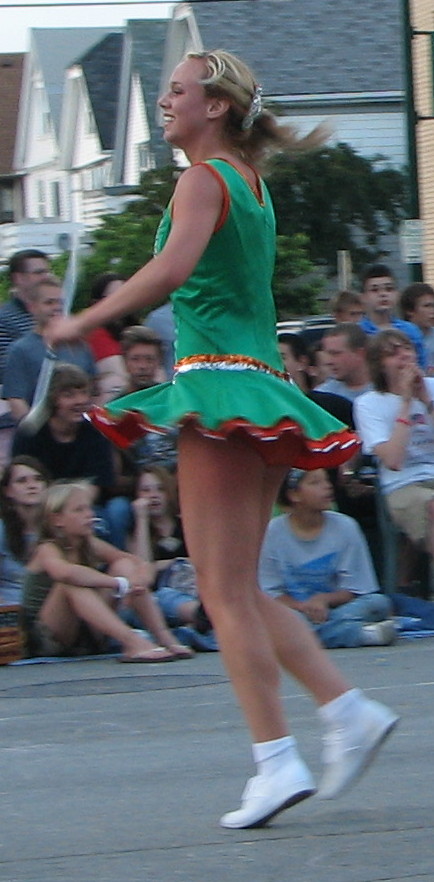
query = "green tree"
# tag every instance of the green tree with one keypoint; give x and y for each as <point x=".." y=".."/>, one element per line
<point x="339" y="200"/>
<point x="296" y="283"/>
<point x="124" y="242"/>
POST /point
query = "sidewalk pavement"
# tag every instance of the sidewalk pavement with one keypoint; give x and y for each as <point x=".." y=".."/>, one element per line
<point x="112" y="772"/>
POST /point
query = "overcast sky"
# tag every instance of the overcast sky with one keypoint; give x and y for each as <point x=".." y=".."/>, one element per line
<point x="15" y="23"/>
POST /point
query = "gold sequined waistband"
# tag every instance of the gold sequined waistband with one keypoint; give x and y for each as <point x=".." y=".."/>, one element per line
<point x="226" y="363"/>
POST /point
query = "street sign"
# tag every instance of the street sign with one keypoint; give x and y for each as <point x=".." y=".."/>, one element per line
<point x="411" y="241"/>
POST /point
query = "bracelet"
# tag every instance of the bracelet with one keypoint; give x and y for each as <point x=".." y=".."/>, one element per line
<point x="123" y="587"/>
<point x="403" y="421"/>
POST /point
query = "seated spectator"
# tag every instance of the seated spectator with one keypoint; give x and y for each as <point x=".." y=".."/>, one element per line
<point x="295" y="358"/>
<point x="396" y="424"/>
<point x="26" y="355"/>
<point x="66" y="586"/>
<point x="22" y="490"/>
<point x="161" y="321"/>
<point x="143" y="356"/>
<point x="158" y="537"/>
<point x="380" y="297"/>
<point x="347" y="306"/>
<point x="319" y="364"/>
<point x="71" y="448"/>
<point x="105" y="342"/>
<point x="143" y="360"/>
<point x="25" y="268"/>
<point x="345" y="346"/>
<point x="156" y="504"/>
<point x="417" y="306"/>
<point x="316" y="561"/>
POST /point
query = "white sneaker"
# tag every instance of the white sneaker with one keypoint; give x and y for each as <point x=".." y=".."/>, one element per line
<point x="348" y="751"/>
<point x="265" y="796"/>
<point x="379" y="633"/>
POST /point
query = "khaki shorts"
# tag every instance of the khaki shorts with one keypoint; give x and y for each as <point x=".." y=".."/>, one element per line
<point x="409" y="510"/>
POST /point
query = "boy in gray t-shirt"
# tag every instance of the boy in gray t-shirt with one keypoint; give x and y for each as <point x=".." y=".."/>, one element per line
<point x="317" y="562"/>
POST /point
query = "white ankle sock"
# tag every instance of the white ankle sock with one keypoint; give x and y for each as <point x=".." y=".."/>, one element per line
<point x="272" y="755"/>
<point x="342" y="709"/>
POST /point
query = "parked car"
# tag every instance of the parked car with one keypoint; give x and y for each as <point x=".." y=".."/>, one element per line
<point x="311" y="327"/>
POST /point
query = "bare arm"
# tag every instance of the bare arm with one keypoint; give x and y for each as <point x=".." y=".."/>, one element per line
<point x="197" y="206"/>
<point x="49" y="559"/>
<point x="392" y="453"/>
<point x="19" y="408"/>
<point x="141" y="542"/>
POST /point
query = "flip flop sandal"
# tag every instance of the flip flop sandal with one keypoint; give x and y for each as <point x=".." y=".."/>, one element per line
<point x="150" y="657"/>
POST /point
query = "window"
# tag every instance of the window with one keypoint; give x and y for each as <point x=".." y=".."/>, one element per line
<point x="55" y="199"/>
<point x="40" y="196"/>
<point x="145" y="156"/>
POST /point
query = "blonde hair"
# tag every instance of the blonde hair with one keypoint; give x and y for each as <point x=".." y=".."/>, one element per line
<point x="58" y="496"/>
<point x="227" y="76"/>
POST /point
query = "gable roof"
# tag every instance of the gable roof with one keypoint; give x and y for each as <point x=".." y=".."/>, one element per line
<point x="11" y="71"/>
<point x="101" y="67"/>
<point x="56" y="49"/>
<point x="148" y="39"/>
<point x="143" y="54"/>
<point x="301" y="47"/>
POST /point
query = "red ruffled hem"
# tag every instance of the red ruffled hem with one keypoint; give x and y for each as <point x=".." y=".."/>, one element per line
<point x="282" y="444"/>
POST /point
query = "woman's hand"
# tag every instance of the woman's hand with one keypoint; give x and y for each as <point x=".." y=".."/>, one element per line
<point x="140" y="507"/>
<point x="63" y="330"/>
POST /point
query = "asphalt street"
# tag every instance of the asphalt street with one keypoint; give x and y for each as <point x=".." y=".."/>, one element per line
<point x="112" y="772"/>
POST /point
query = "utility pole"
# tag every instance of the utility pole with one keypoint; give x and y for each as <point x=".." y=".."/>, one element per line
<point x="416" y="267"/>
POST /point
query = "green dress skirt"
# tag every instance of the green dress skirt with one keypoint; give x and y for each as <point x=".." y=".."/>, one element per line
<point x="229" y="377"/>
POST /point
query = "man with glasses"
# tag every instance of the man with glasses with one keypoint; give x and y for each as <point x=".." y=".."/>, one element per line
<point x="380" y="296"/>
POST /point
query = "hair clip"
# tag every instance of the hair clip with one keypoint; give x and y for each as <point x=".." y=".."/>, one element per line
<point x="254" y="110"/>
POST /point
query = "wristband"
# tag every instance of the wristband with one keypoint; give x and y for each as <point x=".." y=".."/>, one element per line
<point x="123" y="586"/>
<point x="403" y="421"/>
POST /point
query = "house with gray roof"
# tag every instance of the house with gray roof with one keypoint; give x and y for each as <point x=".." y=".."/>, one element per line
<point x="88" y="125"/>
<point x="316" y="60"/>
<point x="44" y="184"/>
<point x="142" y="62"/>
<point x="109" y="133"/>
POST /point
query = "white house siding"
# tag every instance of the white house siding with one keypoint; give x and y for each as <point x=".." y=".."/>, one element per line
<point x="370" y="133"/>
<point x="40" y="157"/>
<point x="87" y="145"/>
<point x="45" y="192"/>
<point x="90" y="169"/>
<point x="88" y="200"/>
<point x="137" y="133"/>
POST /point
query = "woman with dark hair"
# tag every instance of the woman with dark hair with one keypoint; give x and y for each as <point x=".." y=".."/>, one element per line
<point x="22" y="490"/>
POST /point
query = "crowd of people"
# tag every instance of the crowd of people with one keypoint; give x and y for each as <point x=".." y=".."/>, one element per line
<point x="321" y="554"/>
<point x="94" y="550"/>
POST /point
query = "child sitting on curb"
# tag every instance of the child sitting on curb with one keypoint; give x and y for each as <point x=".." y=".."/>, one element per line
<point x="66" y="587"/>
<point x="317" y="562"/>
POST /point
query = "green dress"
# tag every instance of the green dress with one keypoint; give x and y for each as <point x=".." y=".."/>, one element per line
<point x="229" y="376"/>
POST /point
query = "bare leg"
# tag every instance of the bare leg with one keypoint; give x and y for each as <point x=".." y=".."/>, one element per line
<point x="226" y="493"/>
<point x="149" y="613"/>
<point x="66" y="605"/>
